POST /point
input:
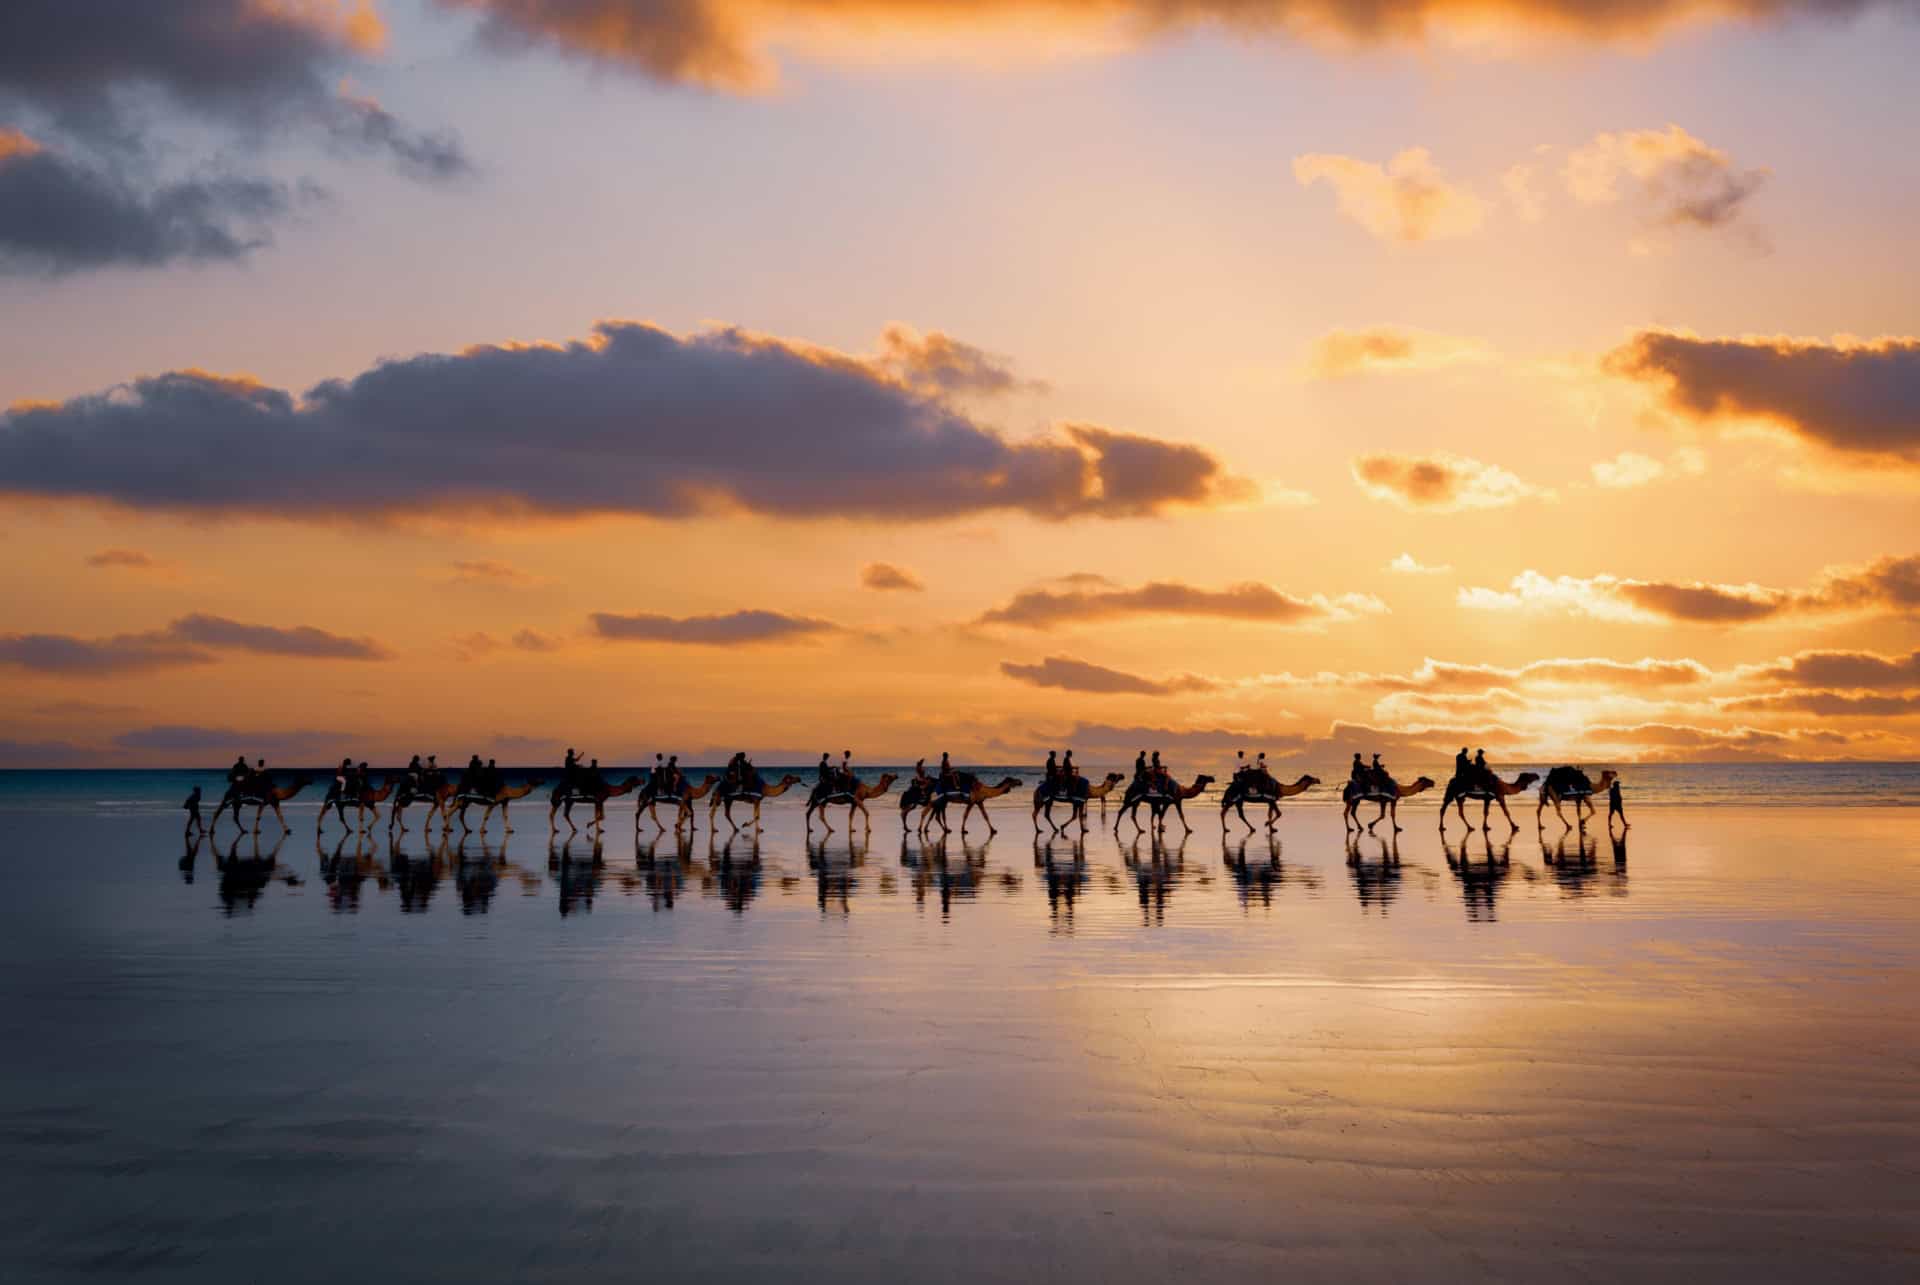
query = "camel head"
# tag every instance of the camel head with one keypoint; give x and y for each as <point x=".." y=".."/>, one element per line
<point x="1307" y="781"/>
<point x="1007" y="784"/>
<point x="1525" y="779"/>
<point x="885" y="783"/>
<point x="1419" y="784"/>
<point x="1201" y="782"/>
<point x="1607" y="778"/>
<point x="1113" y="779"/>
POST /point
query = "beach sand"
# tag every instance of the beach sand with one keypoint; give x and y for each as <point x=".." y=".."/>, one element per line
<point x="884" y="1062"/>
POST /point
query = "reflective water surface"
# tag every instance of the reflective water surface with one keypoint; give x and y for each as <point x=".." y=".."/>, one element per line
<point x="1692" y="1053"/>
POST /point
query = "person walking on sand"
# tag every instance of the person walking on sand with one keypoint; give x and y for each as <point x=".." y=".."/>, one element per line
<point x="194" y="824"/>
<point x="1614" y="808"/>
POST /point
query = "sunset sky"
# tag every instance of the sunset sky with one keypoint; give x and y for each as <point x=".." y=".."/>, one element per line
<point x="909" y="375"/>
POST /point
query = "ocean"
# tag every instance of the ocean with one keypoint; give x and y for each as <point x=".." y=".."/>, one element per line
<point x="1687" y="1050"/>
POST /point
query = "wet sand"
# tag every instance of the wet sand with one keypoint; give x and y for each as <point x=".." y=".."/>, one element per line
<point x="985" y="1061"/>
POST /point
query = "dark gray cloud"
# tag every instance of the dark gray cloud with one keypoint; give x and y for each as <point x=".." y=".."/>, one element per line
<point x="1068" y="674"/>
<point x="183" y="737"/>
<point x="59" y="216"/>
<point x="887" y="577"/>
<point x="363" y="123"/>
<point x="190" y="640"/>
<point x="236" y="59"/>
<point x="1847" y="669"/>
<point x="1861" y="399"/>
<point x="1048" y="608"/>
<point x="104" y="77"/>
<point x="634" y="420"/>
<point x="121" y="654"/>
<point x="735" y="629"/>
<point x="273" y="640"/>
<point x="727" y="44"/>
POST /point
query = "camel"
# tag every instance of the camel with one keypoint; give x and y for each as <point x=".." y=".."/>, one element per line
<point x="1354" y="795"/>
<point x="1570" y="783"/>
<point x="918" y="794"/>
<point x="682" y="800"/>
<point x="1490" y="791"/>
<point x="855" y="799"/>
<point x="501" y="798"/>
<point x="261" y="793"/>
<point x="1159" y="803"/>
<point x="976" y="793"/>
<point x="438" y="796"/>
<point x="369" y="801"/>
<point x="1078" y="793"/>
<point x="1259" y="787"/>
<point x="594" y="792"/>
<point x="754" y="791"/>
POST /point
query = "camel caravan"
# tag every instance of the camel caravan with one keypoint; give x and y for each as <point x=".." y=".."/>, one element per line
<point x="925" y="802"/>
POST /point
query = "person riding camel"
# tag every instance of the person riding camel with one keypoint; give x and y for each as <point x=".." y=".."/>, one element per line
<point x="1050" y="775"/>
<point x="1463" y="768"/>
<point x="1140" y="770"/>
<point x="474" y="779"/>
<point x="949" y="780"/>
<point x="1482" y="774"/>
<point x="239" y="772"/>
<point x="847" y="779"/>
<point x="570" y="771"/>
<point x="824" y="773"/>
<point x="1382" y="779"/>
<point x="1068" y="773"/>
<point x="1239" y="767"/>
<point x="1357" y="775"/>
<point x="673" y="775"/>
<point x="920" y="777"/>
<point x="1261" y="775"/>
<point x="1158" y="774"/>
<point x="432" y="775"/>
<point x="414" y="771"/>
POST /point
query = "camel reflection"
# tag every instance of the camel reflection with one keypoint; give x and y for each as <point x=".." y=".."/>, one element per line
<point x="1480" y="875"/>
<point x="345" y="870"/>
<point x="1373" y="862"/>
<point x="734" y="873"/>
<point x="833" y="866"/>
<point x="1574" y="859"/>
<point x="242" y="877"/>
<point x="577" y="869"/>
<point x="1155" y="874"/>
<point x="415" y="878"/>
<point x="1063" y="868"/>
<point x="1259" y="877"/>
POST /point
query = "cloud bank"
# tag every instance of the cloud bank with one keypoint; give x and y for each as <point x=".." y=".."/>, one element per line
<point x="1438" y="483"/>
<point x="634" y="420"/>
<point x="1254" y="603"/>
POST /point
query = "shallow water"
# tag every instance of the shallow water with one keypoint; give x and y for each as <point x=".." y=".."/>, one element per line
<point x="1696" y="1056"/>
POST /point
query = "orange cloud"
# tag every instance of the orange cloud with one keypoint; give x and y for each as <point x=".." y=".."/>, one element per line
<point x="1890" y="585"/>
<point x="1407" y="200"/>
<point x="729" y="44"/>
<point x="1339" y="354"/>
<point x="1438" y="483"/>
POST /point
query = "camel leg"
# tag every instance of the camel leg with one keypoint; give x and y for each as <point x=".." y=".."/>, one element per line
<point x="506" y="816"/>
<point x="1505" y="813"/>
<point x="1394" y="807"/>
<point x="1080" y="810"/>
<point x="1486" y="809"/>
<point x="1564" y="823"/>
<point x="1273" y="817"/>
<point x="280" y="816"/>
<point x="1181" y="812"/>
